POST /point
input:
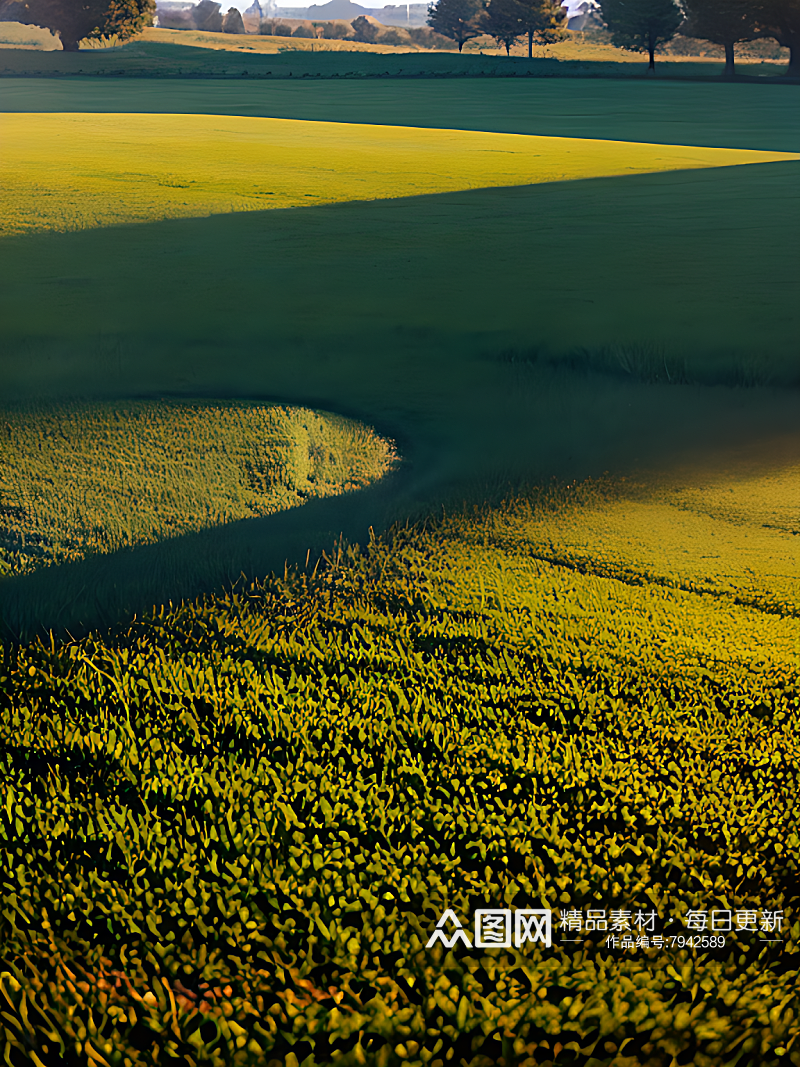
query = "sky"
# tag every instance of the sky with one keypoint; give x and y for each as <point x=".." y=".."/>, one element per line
<point x="372" y="4"/>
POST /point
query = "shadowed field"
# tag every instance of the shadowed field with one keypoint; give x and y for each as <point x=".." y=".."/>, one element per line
<point x="182" y="54"/>
<point x="718" y="115"/>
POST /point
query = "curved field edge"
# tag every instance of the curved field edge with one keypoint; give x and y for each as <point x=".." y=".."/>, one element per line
<point x="233" y="826"/>
<point x="78" y="479"/>
<point x="77" y="171"/>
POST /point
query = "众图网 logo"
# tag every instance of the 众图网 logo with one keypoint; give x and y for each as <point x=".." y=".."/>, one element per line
<point x="494" y="928"/>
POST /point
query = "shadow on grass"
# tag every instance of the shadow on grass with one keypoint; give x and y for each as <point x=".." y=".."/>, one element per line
<point x="397" y="313"/>
<point x="105" y="591"/>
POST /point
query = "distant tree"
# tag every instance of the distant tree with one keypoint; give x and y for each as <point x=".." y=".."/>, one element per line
<point x="303" y="31"/>
<point x="504" y="20"/>
<point x="233" y="21"/>
<point x="457" y="19"/>
<point x="641" y="25"/>
<point x="74" y="20"/>
<point x="725" y="22"/>
<point x="394" y="37"/>
<point x="365" y="31"/>
<point x="335" y="31"/>
<point x="425" y="37"/>
<point x="781" y="19"/>
<point x="274" y="28"/>
<point x="543" y="21"/>
<point x="208" y="16"/>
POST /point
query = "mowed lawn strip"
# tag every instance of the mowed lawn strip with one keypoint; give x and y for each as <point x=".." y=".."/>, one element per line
<point x="76" y="171"/>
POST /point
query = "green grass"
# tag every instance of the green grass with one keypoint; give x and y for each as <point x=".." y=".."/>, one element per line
<point x="718" y="115"/>
<point x="233" y="820"/>
<point x="232" y="826"/>
<point x="76" y="480"/>
<point x="78" y="171"/>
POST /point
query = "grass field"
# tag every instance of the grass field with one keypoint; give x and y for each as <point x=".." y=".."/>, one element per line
<point x="80" y="479"/>
<point x="72" y="171"/>
<point x="567" y="677"/>
<point x="274" y="794"/>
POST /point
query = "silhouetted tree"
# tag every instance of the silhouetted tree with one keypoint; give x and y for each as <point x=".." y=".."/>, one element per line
<point x="725" y="22"/>
<point x="543" y="21"/>
<point x="457" y="19"/>
<point x="74" y="20"/>
<point x="781" y="19"/>
<point x="641" y="25"/>
<point x="233" y="21"/>
<point x="504" y="20"/>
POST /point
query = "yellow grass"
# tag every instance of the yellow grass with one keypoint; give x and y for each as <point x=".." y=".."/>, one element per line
<point x="17" y="35"/>
<point x="78" y="479"/>
<point x="252" y="42"/>
<point x="732" y="533"/>
<point x="75" y="171"/>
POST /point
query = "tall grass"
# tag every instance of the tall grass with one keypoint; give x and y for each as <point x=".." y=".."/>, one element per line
<point x="78" y="479"/>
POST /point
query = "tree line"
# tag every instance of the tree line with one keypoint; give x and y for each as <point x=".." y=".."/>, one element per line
<point x="636" y="25"/>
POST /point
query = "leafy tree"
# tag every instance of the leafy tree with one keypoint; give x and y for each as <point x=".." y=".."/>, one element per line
<point x="365" y="31"/>
<point x="781" y="19"/>
<point x="74" y="20"/>
<point x="460" y="20"/>
<point x="542" y="21"/>
<point x="503" y="20"/>
<point x="725" y="22"/>
<point x="233" y="21"/>
<point x="641" y="25"/>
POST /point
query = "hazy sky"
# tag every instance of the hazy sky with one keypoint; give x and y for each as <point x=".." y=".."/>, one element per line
<point x="244" y="4"/>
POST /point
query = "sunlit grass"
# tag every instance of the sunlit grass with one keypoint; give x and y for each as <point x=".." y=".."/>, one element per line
<point x="708" y="560"/>
<point x="74" y="171"/>
<point x="81" y="479"/>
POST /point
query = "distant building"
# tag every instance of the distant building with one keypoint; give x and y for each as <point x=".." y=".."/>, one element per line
<point x="175" y="14"/>
<point x="587" y="17"/>
<point x="256" y="13"/>
<point x="402" y="15"/>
